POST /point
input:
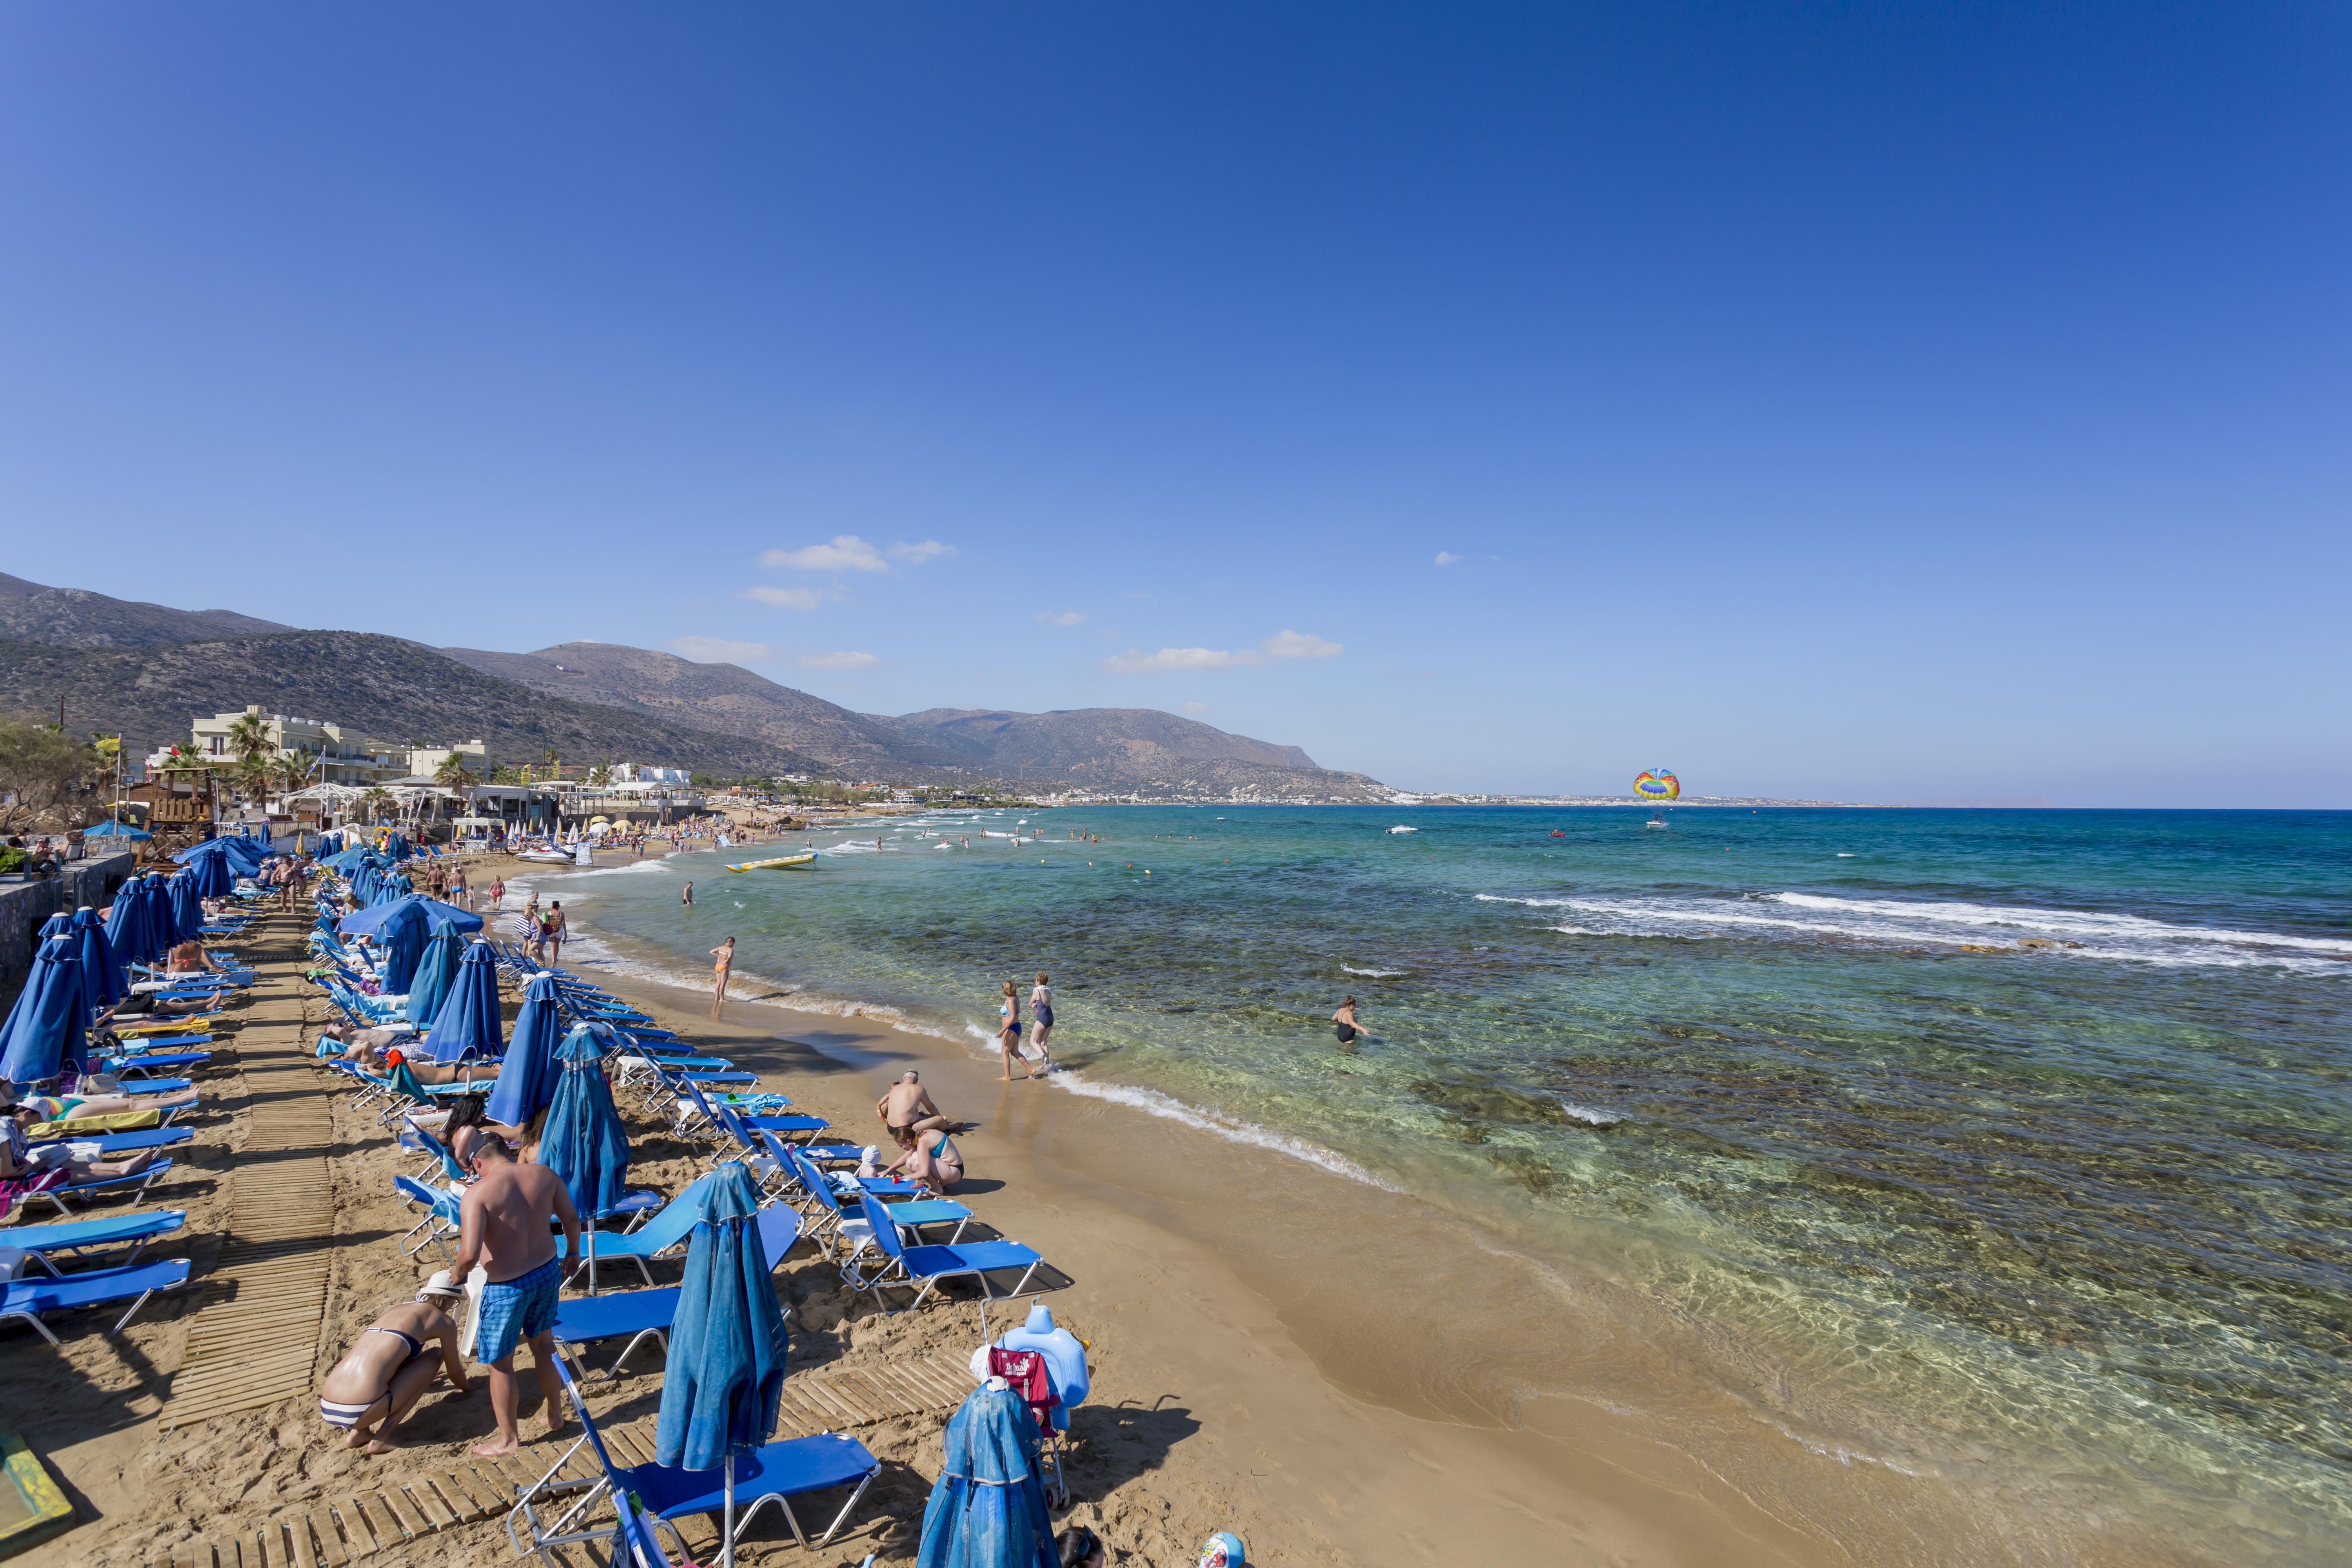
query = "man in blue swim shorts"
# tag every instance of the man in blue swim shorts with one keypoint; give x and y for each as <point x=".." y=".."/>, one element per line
<point x="503" y="1225"/>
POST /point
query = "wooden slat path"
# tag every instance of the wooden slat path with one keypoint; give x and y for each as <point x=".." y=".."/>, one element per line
<point x="256" y="1339"/>
<point x="388" y="1519"/>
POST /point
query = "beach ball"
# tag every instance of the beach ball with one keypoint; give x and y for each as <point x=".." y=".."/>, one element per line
<point x="1224" y="1551"/>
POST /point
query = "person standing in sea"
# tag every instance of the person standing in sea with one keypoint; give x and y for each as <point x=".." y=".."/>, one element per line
<point x="1041" y="1012"/>
<point x="1344" y="1023"/>
<point x="556" y="932"/>
<point x="686" y="899"/>
<point x="724" y="953"/>
<point x="1008" y="1032"/>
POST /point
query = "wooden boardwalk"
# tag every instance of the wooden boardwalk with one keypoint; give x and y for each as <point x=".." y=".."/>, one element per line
<point x="255" y="1340"/>
<point x="387" y="1519"/>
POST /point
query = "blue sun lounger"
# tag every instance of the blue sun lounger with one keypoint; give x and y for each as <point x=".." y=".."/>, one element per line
<point x="119" y="1066"/>
<point x="636" y="1315"/>
<point x="137" y="1183"/>
<point x="833" y="1220"/>
<point x="28" y="1299"/>
<point x="110" y="1144"/>
<point x="442" y="1218"/>
<point x="776" y="1473"/>
<point x="155" y="1085"/>
<point x="44" y="1243"/>
<point x="923" y="1269"/>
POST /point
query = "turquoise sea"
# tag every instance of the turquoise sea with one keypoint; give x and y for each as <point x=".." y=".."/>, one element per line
<point x="2077" y="1210"/>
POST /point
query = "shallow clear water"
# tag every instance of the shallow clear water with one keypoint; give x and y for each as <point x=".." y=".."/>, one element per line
<point x="2079" y="1210"/>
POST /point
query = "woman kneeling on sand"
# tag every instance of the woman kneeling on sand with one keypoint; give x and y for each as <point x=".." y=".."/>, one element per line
<point x="380" y="1379"/>
<point x="931" y="1160"/>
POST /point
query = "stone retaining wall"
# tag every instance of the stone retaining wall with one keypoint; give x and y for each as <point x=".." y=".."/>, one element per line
<point x="25" y="906"/>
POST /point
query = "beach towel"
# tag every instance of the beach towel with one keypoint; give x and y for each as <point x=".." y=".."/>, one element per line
<point x="112" y="1121"/>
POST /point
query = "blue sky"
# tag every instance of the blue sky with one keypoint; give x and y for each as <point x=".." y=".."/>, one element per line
<point x="1950" y="402"/>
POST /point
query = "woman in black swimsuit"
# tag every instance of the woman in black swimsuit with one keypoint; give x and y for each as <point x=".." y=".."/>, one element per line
<point x="1344" y="1021"/>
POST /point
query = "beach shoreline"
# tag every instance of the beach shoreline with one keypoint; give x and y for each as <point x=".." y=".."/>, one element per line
<point x="1376" y="1410"/>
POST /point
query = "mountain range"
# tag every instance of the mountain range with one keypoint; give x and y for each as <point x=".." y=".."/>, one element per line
<point x="145" y="668"/>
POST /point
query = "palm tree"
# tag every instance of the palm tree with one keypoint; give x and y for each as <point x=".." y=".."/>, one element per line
<point x="253" y="774"/>
<point x="248" y="738"/>
<point x="502" y="774"/>
<point x="452" y="774"/>
<point x="599" y="776"/>
<point x="289" y="774"/>
<point x="374" y="800"/>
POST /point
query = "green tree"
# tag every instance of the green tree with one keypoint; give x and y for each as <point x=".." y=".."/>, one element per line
<point x="374" y="800"/>
<point x="600" y="775"/>
<point x="503" y="774"/>
<point x="39" y="766"/>
<point x="452" y="772"/>
<point x="248" y="738"/>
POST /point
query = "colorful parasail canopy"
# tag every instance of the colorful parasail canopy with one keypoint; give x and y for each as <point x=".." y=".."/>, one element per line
<point x="1658" y="785"/>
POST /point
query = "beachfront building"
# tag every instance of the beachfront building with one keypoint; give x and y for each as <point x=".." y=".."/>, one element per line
<point x="331" y="753"/>
<point x="640" y="773"/>
<point x="424" y="761"/>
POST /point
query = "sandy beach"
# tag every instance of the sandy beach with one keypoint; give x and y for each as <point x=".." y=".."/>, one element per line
<point x="1315" y="1362"/>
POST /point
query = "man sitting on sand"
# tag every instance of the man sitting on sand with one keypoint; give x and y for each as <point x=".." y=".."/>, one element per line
<point x="905" y="1108"/>
<point x="503" y="1226"/>
<point x="388" y="1368"/>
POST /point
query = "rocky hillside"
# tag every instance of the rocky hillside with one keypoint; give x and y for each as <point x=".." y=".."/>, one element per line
<point x="75" y="617"/>
<point x="712" y="696"/>
<point x="393" y="690"/>
<point x="1123" y="750"/>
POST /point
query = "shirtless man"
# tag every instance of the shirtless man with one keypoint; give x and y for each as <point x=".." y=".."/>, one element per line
<point x="905" y="1108"/>
<point x="388" y="1368"/>
<point x="503" y="1226"/>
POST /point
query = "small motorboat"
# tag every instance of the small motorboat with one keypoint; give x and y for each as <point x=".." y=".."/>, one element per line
<point x="1402" y="829"/>
<point x="777" y="864"/>
<point x="545" y="857"/>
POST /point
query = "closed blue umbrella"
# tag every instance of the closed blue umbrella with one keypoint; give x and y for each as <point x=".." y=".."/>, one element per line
<point x="211" y="875"/>
<point x="466" y="1023"/>
<point x="45" y="1029"/>
<point x="724" y="1372"/>
<point x="160" y="923"/>
<point x="435" y="973"/>
<point x="57" y="925"/>
<point x="987" y="1506"/>
<point x="126" y="923"/>
<point x="526" y="1078"/>
<point x="103" y="982"/>
<point x="400" y="943"/>
<point x="583" y="1141"/>
<point x="187" y="908"/>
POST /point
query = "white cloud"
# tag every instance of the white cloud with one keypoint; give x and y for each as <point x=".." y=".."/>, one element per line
<point x="1284" y="644"/>
<point x="838" y="661"/>
<point x="1447" y="558"/>
<point x="718" y="650"/>
<point x="1288" y="643"/>
<point x="787" y="598"/>
<point x="916" y="554"/>
<point x="1067" y="619"/>
<point x="848" y="552"/>
<point x="1196" y="708"/>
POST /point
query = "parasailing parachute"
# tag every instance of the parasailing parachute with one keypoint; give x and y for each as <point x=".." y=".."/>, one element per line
<point x="1658" y="785"/>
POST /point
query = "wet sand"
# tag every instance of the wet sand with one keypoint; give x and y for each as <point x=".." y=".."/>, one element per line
<point x="1354" y="1367"/>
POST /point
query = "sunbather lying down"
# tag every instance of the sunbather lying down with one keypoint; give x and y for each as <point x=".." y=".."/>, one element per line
<point x="436" y="1072"/>
<point x="366" y="1046"/>
<point x="19" y="1161"/>
<point x="81" y="1107"/>
<point x="151" y="1004"/>
<point x="387" y="1370"/>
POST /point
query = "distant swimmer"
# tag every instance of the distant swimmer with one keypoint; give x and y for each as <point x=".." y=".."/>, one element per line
<point x="1344" y="1021"/>
<point x="686" y="897"/>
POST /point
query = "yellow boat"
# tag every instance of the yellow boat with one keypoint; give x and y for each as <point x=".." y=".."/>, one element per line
<point x="773" y="864"/>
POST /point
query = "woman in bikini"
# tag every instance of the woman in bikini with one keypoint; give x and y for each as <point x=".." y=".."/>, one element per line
<point x="933" y="1161"/>
<point x="1008" y="1032"/>
<point x="380" y="1379"/>
<point x="724" y="955"/>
